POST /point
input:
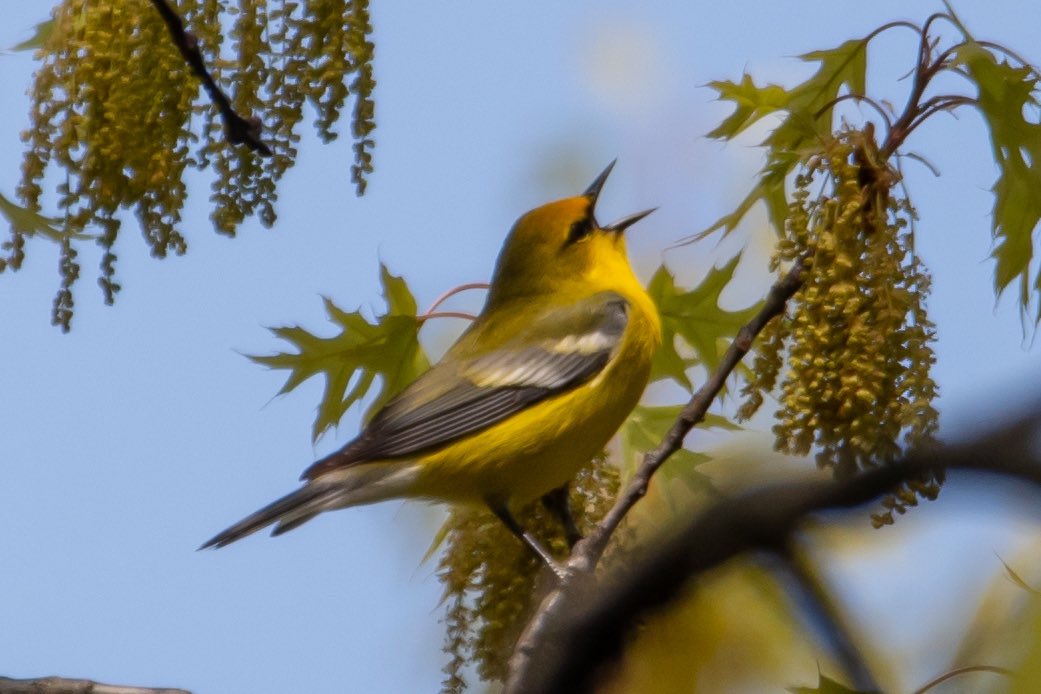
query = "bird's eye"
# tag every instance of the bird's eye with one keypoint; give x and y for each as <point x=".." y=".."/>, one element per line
<point x="580" y="230"/>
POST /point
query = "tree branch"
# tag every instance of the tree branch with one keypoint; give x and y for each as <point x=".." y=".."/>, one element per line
<point x="238" y="130"/>
<point x="693" y="413"/>
<point x="62" y="685"/>
<point x="586" y="636"/>
<point x="814" y="600"/>
<point x="587" y="553"/>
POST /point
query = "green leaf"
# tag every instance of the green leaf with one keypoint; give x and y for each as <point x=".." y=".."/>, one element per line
<point x="808" y="117"/>
<point x="352" y="361"/>
<point x="39" y="38"/>
<point x="30" y="223"/>
<point x="826" y="685"/>
<point x="751" y="104"/>
<point x="1006" y="95"/>
<point x="644" y="430"/>
<point x="695" y="317"/>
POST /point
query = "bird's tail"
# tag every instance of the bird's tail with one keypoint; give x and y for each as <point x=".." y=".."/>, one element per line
<point x="290" y="511"/>
<point x="350" y="486"/>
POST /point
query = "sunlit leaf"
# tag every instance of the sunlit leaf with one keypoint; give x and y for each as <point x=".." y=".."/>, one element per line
<point x="808" y="115"/>
<point x="39" y="37"/>
<point x="695" y="317"/>
<point x="25" y="221"/>
<point x="647" y="425"/>
<point x="644" y="430"/>
<point x="751" y="103"/>
<point x="1006" y="95"/>
<point x="363" y="352"/>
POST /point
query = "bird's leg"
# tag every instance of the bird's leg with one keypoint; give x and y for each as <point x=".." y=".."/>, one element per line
<point x="503" y="513"/>
<point x="558" y="503"/>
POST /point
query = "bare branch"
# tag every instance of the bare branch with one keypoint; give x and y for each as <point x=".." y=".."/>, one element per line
<point x="446" y="314"/>
<point x="817" y="602"/>
<point x="587" y="553"/>
<point x="962" y="671"/>
<point x="238" y="130"/>
<point x="456" y="290"/>
<point x="695" y="410"/>
<point x="859" y="98"/>
<point x="63" y="685"/>
<point x="585" y="636"/>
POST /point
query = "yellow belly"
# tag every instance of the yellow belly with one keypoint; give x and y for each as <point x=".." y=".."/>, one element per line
<point x="541" y="448"/>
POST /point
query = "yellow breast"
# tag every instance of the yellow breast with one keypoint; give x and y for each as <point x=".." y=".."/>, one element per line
<point x="541" y="448"/>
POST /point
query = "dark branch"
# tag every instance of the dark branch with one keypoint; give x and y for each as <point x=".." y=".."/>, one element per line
<point x="588" y="635"/>
<point x="62" y="685"/>
<point x="958" y="672"/>
<point x="238" y="130"/>
<point x="693" y="412"/>
<point x="817" y="603"/>
<point x="586" y="555"/>
<point x="859" y="98"/>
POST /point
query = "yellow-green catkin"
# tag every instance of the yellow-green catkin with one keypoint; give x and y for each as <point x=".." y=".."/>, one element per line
<point x="850" y="359"/>
<point x="492" y="582"/>
<point x="117" y="116"/>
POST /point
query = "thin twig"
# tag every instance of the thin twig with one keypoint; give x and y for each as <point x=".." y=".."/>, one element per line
<point x="893" y="25"/>
<point x="64" y="685"/>
<point x="456" y="290"/>
<point x="587" y="553"/>
<point x="962" y="671"/>
<point x="859" y="98"/>
<point x="445" y="314"/>
<point x="237" y="129"/>
<point x="593" y="547"/>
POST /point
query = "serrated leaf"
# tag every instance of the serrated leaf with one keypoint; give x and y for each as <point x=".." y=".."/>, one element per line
<point x="696" y="318"/>
<point x="644" y="430"/>
<point x="1005" y="93"/>
<point x="352" y="361"/>
<point x="807" y="118"/>
<point x="38" y="39"/>
<point x="647" y="425"/>
<point x="751" y="103"/>
<point x="30" y="223"/>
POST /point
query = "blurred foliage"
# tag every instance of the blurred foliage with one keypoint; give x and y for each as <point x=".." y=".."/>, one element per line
<point x="1027" y="678"/>
<point x="733" y="630"/>
<point x="117" y="118"/>
<point x="1005" y="631"/>
<point x="825" y="685"/>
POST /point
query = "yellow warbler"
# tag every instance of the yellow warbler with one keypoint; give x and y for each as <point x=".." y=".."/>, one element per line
<point x="533" y="389"/>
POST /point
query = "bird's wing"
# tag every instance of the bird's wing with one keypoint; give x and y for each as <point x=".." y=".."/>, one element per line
<point x="563" y="348"/>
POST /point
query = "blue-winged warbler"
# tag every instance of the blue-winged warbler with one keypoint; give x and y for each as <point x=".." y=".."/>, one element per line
<point x="533" y="389"/>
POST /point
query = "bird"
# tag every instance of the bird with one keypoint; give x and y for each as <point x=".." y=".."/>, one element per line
<point x="536" y="386"/>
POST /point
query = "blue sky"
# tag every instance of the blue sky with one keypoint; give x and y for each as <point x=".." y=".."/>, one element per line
<point x="131" y="440"/>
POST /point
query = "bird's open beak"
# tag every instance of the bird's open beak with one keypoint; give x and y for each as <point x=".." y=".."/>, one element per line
<point x="593" y="191"/>
<point x="627" y="221"/>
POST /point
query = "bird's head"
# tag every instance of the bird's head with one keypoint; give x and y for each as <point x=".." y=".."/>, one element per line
<point x="561" y="246"/>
